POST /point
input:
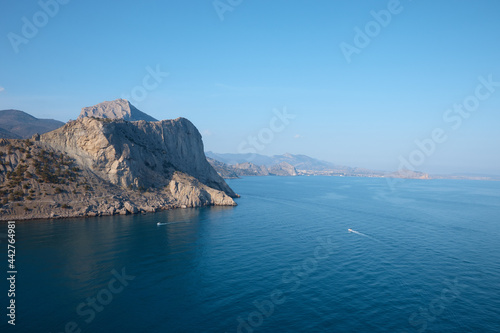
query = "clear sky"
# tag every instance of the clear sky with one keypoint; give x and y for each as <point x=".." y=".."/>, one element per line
<point x="359" y="99"/>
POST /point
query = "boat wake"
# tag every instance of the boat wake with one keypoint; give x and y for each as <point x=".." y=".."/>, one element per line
<point x="362" y="234"/>
<point x="167" y="223"/>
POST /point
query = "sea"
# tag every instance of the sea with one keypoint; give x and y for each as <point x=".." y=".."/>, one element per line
<point x="298" y="254"/>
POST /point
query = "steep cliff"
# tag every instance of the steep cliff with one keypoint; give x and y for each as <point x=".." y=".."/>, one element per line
<point x="137" y="154"/>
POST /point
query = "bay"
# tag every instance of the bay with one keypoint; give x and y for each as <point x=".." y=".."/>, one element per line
<point x="422" y="256"/>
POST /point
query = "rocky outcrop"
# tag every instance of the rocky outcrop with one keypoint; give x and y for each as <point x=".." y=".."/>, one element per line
<point x="283" y="169"/>
<point x="117" y="109"/>
<point x="96" y="166"/>
<point x="189" y="192"/>
<point x="250" y="169"/>
<point x="408" y="174"/>
<point x="138" y="154"/>
<point x="224" y="170"/>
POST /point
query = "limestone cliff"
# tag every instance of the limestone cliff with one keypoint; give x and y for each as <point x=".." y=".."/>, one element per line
<point x="117" y="109"/>
<point x="137" y="154"/>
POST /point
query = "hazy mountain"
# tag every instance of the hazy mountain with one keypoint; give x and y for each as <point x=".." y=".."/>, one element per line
<point x="15" y="124"/>
<point x="283" y="169"/>
<point x="250" y="169"/>
<point x="303" y="162"/>
<point x="292" y="165"/>
<point x="233" y="159"/>
<point x="300" y="162"/>
<point x="224" y="170"/>
<point x="8" y="135"/>
<point x="117" y="109"/>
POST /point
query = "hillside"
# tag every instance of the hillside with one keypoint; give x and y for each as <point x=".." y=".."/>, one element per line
<point x="4" y="134"/>
<point x="249" y="169"/>
<point x="300" y="162"/>
<point x="15" y="124"/>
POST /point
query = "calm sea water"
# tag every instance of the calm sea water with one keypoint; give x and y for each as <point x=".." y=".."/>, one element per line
<point x="423" y="257"/>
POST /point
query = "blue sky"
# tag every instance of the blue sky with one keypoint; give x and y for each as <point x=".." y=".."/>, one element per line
<point x="230" y="76"/>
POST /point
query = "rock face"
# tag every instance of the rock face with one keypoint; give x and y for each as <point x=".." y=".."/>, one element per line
<point x="15" y="124"/>
<point x="117" y="109"/>
<point x="137" y="154"/>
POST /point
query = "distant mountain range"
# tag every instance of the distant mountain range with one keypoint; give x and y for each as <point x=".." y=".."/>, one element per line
<point x="303" y="165"/>
<point x="298" y="161"/>
<point x="250" y="169"/>
<point x="236" y="165"/>
<point x="15" y="124"/>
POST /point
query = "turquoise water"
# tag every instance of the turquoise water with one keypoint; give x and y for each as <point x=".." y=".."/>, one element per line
<point x="424" y="257"/>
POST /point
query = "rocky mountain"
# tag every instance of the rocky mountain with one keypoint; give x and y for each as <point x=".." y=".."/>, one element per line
<point x="232" y="159"/>
<point x="249" y="169"/>
<point x="224" y="170"/>
<point x="15" y="124"/>
<point x="117" y="109"/>
<point x="293" y="165"/>
<point x="282" y="169"/>
<point x="281" y="165"/>
<point x="300" y="162"/>
<point x="96" y="166"/>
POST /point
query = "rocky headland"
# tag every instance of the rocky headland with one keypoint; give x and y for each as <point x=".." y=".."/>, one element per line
<point x="96" y="166"/>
